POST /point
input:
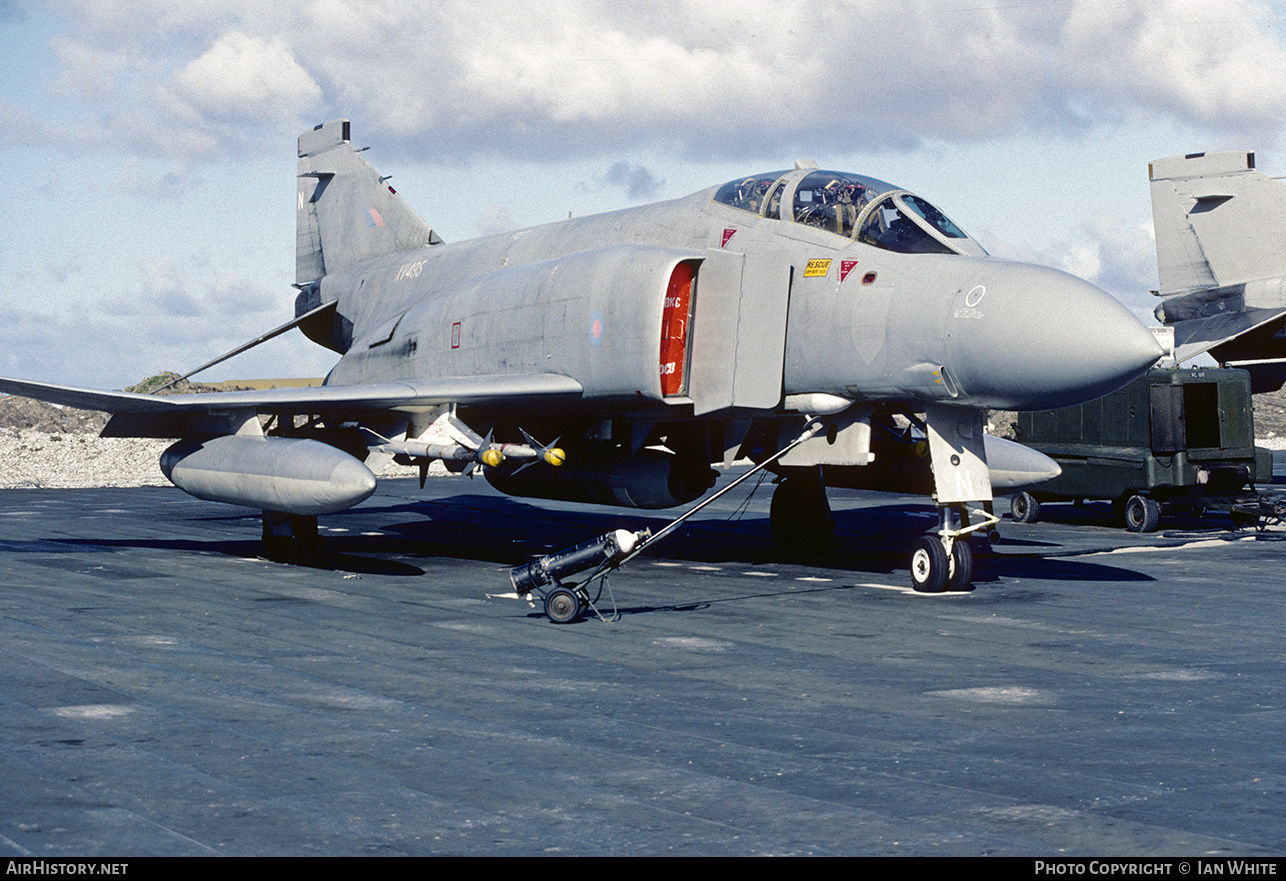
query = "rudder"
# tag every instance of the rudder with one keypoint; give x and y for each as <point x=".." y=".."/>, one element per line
<point x="1218" y="221"/>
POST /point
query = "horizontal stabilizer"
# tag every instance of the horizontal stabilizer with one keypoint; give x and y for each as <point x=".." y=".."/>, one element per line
<point x="1200" y="335"/>
<point x="1221" y="257"/>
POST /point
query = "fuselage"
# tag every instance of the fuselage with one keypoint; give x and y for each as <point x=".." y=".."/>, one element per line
<point x="798" y="305"/>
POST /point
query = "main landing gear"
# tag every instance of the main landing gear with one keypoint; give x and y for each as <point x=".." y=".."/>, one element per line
<point x="291" y="538"/>
<point x="800" y="515"/>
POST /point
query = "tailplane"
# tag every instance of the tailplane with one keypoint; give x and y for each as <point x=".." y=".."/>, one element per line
<point x="347" y="213"/>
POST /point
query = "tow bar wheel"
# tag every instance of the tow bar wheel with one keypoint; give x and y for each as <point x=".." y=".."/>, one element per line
<point x="562" y="605"/>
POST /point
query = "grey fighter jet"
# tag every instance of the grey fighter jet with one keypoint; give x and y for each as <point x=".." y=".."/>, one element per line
<point x="1221" y="253"/>
<point x="611" y="359"/>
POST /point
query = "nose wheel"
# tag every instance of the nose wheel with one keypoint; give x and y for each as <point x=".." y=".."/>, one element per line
<point x="935" y="569"/>
<point x="943" y="560"/>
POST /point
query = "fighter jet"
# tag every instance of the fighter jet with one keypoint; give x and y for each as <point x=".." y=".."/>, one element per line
<point x="1221" y="253"/>
<point x="611" y="359"/>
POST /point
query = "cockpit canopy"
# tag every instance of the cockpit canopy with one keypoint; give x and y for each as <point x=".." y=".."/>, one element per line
<point x="853" y="206"/>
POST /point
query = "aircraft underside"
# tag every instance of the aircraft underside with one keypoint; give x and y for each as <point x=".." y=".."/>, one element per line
<point x="637" y="463"/>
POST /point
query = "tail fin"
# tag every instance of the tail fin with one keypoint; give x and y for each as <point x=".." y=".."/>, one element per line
<point x="1221" y="252"/>
<point x="347" y="213"/>
<point x="1219" y="222"/>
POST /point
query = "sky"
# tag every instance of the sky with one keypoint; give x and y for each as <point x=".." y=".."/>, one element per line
<point x="149" y="145"/>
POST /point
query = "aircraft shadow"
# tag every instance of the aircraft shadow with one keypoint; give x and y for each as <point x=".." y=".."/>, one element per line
<point x="496" y="529"/>
<point x="499" y="530"/>
<point x="331" y="558"/>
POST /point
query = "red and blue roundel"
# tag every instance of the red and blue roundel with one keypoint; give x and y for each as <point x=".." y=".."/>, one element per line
<point x="596" y="329"/>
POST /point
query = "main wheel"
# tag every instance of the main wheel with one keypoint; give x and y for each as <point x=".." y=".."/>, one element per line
<point x="1244" y="520"/>
<point x="929" y="564"/>
<point x="562" y="605"/>
<point x="961" y="574"/>
<point x="291" y="538"/>
<point x="800" y="516"/>
<point x="1024" y="508"/>
<point x="1142" y="514"/>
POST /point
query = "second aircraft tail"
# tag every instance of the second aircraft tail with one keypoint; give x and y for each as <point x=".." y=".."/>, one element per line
<point x="1219" y="222"/>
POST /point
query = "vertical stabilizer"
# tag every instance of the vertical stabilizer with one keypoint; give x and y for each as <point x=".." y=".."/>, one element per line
<point x="1221" y="255"/>
<point x="1219" y="222"/>
<point x="347" y="214"/>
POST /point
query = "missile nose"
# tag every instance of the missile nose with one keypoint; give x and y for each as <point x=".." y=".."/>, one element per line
<point x="1033" y="338"/>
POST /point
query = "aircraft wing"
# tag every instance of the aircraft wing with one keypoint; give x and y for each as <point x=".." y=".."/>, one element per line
<point x="1197" y="335"/>
<point x="136" y="415"/>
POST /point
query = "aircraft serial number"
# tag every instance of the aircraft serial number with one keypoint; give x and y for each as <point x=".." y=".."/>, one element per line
<point x="409" y="270"/>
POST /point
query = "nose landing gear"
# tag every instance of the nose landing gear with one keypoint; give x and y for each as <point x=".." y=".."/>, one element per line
<point x="943" y="560"/>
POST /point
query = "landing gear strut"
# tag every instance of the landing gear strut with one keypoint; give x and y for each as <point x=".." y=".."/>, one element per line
<point x="943" y="560"/>
<point x="290" y="538"/>
<point x="800" y="515"/>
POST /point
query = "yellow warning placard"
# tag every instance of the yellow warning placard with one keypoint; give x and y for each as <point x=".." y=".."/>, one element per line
<point x="817" y="268"/>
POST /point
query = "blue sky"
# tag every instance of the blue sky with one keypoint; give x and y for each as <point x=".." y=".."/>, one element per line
<point x="149" y="144"/>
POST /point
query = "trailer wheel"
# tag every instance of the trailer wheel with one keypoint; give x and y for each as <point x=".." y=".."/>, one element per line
<point x="1024" y="508"/>
<point x="1142" y="514"/>
<point x="562" y="605"/>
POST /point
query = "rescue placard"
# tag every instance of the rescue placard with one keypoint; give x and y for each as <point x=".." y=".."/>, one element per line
<point x="817" y="268"/>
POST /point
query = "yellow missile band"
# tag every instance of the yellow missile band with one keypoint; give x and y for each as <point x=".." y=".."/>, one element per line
<point x="491" y="457"/>
<point x="554" y="456"/>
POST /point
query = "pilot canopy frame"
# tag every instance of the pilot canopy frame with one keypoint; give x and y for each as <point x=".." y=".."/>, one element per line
<point x="852" y="206"/>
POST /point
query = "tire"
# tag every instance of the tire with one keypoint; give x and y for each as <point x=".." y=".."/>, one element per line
<point x="961" y="575"/>
<point x="562" y="605"/>
<point x="800" y="516"/>
<point x="1024" y="508"/>
<point x="929" y="564"/>
<point x="1142" y="514"/>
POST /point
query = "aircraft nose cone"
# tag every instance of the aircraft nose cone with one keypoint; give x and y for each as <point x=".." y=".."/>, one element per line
<point x="1032" y="338"/>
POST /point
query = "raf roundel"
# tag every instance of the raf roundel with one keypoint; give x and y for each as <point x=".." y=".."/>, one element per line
<point x="596" y="329"/>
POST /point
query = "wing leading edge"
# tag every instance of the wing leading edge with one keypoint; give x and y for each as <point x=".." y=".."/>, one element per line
<point x="136" y="415"/>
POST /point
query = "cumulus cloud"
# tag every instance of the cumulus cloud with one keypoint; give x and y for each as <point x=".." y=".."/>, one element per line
<point x="496" y="219"/>
<point x="696" y="76"/>
<point x="1116" y="254"/>
<point x="175" y="315"/>
<point x="245" y="76"/>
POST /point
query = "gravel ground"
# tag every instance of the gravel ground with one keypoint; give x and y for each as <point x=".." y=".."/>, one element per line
<point x="33" y="458"/>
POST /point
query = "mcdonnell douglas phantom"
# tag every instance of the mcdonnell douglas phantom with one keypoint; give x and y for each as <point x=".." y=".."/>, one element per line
<point x="1221" y="255"/>
<point x="611" y="359"/>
